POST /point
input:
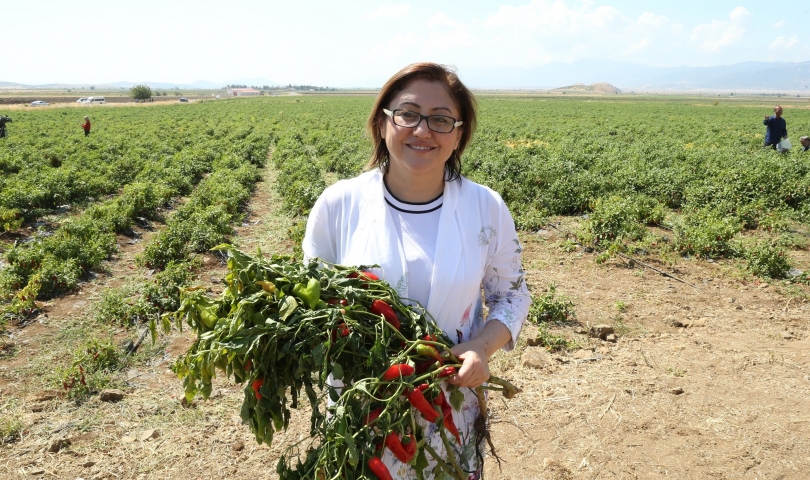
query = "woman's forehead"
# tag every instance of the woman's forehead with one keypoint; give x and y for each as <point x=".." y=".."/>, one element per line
<point x="425" y="93"/>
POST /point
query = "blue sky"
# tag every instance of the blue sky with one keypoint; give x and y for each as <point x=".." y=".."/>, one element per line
<point x="361" y="43"/>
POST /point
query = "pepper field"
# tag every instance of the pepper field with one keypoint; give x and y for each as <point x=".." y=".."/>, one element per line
<point x="708" y="376"/>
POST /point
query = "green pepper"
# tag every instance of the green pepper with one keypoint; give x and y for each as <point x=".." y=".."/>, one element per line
<point x="309" y="294"/>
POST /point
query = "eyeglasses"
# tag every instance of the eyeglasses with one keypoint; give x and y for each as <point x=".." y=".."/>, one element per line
<point x="437" y="123"/>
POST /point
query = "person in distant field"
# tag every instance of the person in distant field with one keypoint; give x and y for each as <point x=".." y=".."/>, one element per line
<point x="805" y="141"/>
<point x="86" y="126"/>
<point x="777" y="128"/>
<point x="3" y="121"/>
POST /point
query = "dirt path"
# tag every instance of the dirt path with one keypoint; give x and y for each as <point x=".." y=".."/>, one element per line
<point x="706" y="382"/>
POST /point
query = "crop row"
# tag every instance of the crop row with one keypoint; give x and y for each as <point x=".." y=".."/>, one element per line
<point x="53" y="261"/>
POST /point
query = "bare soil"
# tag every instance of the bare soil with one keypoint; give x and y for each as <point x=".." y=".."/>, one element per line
<point x="704" y="381"/>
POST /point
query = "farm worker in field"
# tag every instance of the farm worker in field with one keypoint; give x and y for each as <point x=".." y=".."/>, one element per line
<point x="777" y="128"/>
<point x="86" y="126"/>
<point x="438" y="237"/>
<point x="805" y="141"/>
<point x="3" y="121"/>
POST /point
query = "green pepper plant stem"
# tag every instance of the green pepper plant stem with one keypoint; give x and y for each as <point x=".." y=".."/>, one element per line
<point x="444" y="466"/>
<point x="450" y="454"/>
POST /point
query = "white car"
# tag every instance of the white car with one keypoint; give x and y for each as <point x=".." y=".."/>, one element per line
<point x="39" y="103"/>
<point x="81" y="100"/>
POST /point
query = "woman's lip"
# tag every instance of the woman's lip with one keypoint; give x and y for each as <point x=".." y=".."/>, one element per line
<point x="421" y="148"/>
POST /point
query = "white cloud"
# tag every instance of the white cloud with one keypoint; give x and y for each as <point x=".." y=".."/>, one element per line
<point x="784" y="43"/>
<point x="562" y="30"/>
<point x="739" y="13"/>
<point x="554" y="17"/>
<point x="637" y="47"/>
<point x="442" y="20"/>
<point x="649" y="18"/>
<point x="718" y="35"/>
<point x="389" y="11"/>
<point x="779" y="24"/>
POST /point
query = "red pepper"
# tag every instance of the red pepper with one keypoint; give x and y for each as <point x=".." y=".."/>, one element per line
<point x="422" y="367"/>
<point x="395" y="371"/>
<point x="410" y="447"/>
<point x="447" y="413"/>
<point x="336" y="301"/>
<point x="248" y="365"/>
<point x="429" y="338"/>
<point x="447" y="372"/>
<point x="379" y="469"/>
<point x="379" y="307"/>
<point x="419" y="402"/>
<point x="393" y="443"/>
<point x="257" y="385"/>
<point x="372" y="416"/>
<point x="342" y="329"/>
<point x="428" y="351"/>
<point x="364" y="275"/>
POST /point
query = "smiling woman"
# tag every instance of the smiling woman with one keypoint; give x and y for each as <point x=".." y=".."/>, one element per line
<point x="437" y="237"/>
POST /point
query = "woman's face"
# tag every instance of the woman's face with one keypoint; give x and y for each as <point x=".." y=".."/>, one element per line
<point x="419" y="150"/>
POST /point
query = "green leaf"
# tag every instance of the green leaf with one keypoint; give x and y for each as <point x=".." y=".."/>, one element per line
<point x="337" y="371"/>
<point x="421" y="463"/>
<point x="456" y="398"/>
<point x="287" y="307"/>
<point x="354" y="456"/>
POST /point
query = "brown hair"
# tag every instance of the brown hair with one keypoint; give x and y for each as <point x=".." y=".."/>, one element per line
<point x="431" y="72"/>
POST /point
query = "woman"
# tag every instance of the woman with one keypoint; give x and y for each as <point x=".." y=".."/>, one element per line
<point x="86" y="126"/>
<point x="438" y="237"/>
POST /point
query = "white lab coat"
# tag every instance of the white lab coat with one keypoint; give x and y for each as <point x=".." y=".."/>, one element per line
<point x="477" y="247"/>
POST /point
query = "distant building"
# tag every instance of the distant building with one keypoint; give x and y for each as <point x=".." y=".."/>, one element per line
<point x="242" y="92"/>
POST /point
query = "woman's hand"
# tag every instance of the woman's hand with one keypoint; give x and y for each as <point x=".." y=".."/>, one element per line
<point x="474" y="367"/>
<point x="474" y="355"/>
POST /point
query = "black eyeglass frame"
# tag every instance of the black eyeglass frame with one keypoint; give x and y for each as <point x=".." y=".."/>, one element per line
<point x="392" y="113"/>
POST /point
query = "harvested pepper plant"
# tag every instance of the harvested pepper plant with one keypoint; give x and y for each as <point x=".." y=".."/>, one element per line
<point x="282" y="328"/>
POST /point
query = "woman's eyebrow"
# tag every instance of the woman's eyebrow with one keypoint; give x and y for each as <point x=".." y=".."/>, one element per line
<point x="432" y="109"/>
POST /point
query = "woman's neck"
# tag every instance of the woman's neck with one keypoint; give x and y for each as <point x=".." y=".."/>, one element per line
<point x="415" y="189"/>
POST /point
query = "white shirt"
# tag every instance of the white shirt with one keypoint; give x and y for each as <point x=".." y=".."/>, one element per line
<point x="417" y="226"/>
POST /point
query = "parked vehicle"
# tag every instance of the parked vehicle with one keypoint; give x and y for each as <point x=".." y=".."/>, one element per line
<point x="39" y="103"/>
<point x="82" y="100"/>
<point x="183" y="99"/>
<point x="95" y="100"/>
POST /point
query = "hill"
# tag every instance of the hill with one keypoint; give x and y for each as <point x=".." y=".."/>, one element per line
<point x="601" y="88"/>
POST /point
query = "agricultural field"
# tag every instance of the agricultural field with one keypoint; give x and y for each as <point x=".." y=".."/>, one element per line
<point x="707" y="373"/>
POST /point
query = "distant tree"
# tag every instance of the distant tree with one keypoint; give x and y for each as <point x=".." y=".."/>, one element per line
<point x="141" y="92"/>
<point x="92" y="88"/>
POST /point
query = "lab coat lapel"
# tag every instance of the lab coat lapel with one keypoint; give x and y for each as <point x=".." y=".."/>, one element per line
<point x="375" y="240"/>
<point x="449" y="249"/>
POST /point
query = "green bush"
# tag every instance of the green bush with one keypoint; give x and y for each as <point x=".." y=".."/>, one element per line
<point x="707" y="234"/>
<point x="619" y="218"/>
<point x="551" y="308"/>
<point x="93" y="368"/>
<point x="766" y="260"/>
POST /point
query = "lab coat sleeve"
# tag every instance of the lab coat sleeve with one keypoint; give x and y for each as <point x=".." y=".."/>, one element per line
<point x="505" y="291"/>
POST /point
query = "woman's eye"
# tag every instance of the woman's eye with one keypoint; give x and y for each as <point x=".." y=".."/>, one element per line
<point x="441" y="120"/>
<point x="408" y="116"/>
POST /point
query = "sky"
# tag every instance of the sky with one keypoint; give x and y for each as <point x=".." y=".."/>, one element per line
<point x="361" y="43"/>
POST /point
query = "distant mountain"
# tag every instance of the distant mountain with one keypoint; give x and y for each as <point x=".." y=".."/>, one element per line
<point x="752" y="76"/>
<point x="782" y="77"/>
<point x="200" y="84"/>
<point x="598" y="88"/>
